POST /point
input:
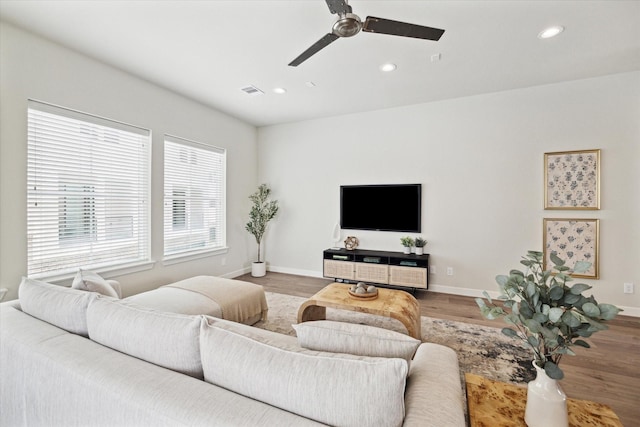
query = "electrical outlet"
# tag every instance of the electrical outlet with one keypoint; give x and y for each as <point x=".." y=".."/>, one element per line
<point x="223" y="261"/>
<point x="449" y="271"/>
<point x="628" y="288"/>
<point x="432" y="269"/>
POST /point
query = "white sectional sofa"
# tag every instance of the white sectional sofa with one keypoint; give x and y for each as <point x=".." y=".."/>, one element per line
<point x="77" y="358"/>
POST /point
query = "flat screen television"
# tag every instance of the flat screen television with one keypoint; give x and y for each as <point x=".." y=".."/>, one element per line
<point x="394" y="207"/>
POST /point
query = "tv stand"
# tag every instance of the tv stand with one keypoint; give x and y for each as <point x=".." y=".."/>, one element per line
<point x="392" y="269"/>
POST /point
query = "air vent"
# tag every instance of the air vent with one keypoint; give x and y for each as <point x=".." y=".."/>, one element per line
<point x="252" y="90"/>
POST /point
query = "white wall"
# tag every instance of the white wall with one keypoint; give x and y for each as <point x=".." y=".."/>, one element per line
<point x="480" y="161"/>
<point x="32" y="67"/>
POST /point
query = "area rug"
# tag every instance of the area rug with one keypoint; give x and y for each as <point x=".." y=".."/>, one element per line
<point x="481" y="350"/>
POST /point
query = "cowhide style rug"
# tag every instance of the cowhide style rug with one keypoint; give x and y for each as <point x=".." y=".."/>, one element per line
<point x="481" y="350"/>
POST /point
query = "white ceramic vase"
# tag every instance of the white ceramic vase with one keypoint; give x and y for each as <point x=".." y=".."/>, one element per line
<point x="407" y="250"/>
<point x="419" y="251"/>
<point x="258" y="269"/>
<point x="546" y="402"/>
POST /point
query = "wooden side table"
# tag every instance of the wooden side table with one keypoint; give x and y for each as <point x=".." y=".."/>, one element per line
<point x="390" y="303"/>
<point x="496" y="404"/>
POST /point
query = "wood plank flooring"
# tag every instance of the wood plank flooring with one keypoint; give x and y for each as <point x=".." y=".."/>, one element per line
<point x="608" y="372"/>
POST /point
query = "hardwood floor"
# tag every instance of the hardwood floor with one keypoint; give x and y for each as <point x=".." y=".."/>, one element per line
<point x="608" y="372"/>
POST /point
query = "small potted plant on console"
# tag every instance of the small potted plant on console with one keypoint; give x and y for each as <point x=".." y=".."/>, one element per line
<point x="407" y="242"/>
<point x="420" y="244"/>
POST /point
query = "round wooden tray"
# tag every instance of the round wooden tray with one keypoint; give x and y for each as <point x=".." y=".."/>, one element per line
<point x="372" y="295"/>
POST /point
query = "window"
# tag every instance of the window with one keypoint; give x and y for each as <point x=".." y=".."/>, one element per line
<point x="194" y="197"/>
<point x="88" y="192"/>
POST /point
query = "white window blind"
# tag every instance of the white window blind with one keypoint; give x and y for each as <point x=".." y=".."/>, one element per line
<point x="88" y="192"/>
<point x="194" y="197"/>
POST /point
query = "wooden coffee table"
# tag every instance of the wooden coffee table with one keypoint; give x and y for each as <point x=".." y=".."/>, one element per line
<point x="391" y="303"/>
<point x="497" y="404"/>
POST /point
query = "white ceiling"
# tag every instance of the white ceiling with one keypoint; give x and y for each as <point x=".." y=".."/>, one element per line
<point x="209" y="50"/>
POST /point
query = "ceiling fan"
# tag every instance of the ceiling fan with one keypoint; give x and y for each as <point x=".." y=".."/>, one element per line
<point x="349" y="24"/>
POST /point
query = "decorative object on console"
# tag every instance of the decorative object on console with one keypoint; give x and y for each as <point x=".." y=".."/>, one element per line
<point x="262" y="211"/>
<point x="363" y="291"/>
<point x="574" y="240"/>
<point x="408" y="243"/>
<point x="572" y="180"/>
<point x="351" y="242"/>
<point x="420" y="244"/>
<point x="336" y="235"/>
<point x="548" y="316"/>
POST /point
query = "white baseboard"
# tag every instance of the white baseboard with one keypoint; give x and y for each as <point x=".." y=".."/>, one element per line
<point x="297" y="272"/>
<point x="234" y="274"/>
<point x="466" y="292"/>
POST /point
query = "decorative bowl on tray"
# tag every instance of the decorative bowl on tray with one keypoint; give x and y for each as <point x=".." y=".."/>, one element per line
<point x="363" y="291"/>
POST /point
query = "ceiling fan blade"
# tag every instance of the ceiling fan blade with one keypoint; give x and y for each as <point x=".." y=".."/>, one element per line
<point x="338" y="6"/>
<point x="315" y="48"/>
<point x="396" y="28"/>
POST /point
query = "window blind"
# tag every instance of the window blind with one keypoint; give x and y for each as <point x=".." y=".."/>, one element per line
<point x="194" y="196"/>
<point x="88" y="192"/>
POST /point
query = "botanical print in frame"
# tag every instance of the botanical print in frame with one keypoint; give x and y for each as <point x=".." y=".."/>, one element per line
<point x="572" y="240"/>
<point x="572" y="180"/>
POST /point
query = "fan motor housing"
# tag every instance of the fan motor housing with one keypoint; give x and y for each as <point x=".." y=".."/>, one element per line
<point x="347" y="26"/>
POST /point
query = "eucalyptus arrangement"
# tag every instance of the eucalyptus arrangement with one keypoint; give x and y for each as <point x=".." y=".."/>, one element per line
<point x="545" y="313"/>
<point x="262" y="211"/>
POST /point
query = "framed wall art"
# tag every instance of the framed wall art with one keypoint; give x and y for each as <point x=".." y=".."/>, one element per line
<point x="572" y="240"/>
<point x="572" y="180"/>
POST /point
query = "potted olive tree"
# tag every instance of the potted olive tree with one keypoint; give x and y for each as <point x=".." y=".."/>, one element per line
<point x="262" y="211"/>
<point x="551" y="318"/>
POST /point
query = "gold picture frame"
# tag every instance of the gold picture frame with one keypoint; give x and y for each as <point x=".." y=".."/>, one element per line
<point x="572" y="180"/>
<point x="572" y="240"/>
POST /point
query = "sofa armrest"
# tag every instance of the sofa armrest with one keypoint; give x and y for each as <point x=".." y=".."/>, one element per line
<point x="433" y="394"/>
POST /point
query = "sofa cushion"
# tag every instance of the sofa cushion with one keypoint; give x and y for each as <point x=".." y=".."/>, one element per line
<point x="166" y="339"/>
<point x="335" y="389"/>
<point x="89" y="281"/>
<point x="63" y="307"/>
<point x="351" y="338"/>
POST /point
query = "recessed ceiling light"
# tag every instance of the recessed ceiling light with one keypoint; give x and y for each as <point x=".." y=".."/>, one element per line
<point x="388" y="67"/>
<point x="547" y="33"/>
<point x="280" y="90"/>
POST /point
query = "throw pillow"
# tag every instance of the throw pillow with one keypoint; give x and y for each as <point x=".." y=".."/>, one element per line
<point x="90" y="281"/>
<point x="166" y="339"/>
<point x="116" y="286"/>
<point x="334" y="389"/>
<point x="63" y="307"/>
<point x="363" y="340"/>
